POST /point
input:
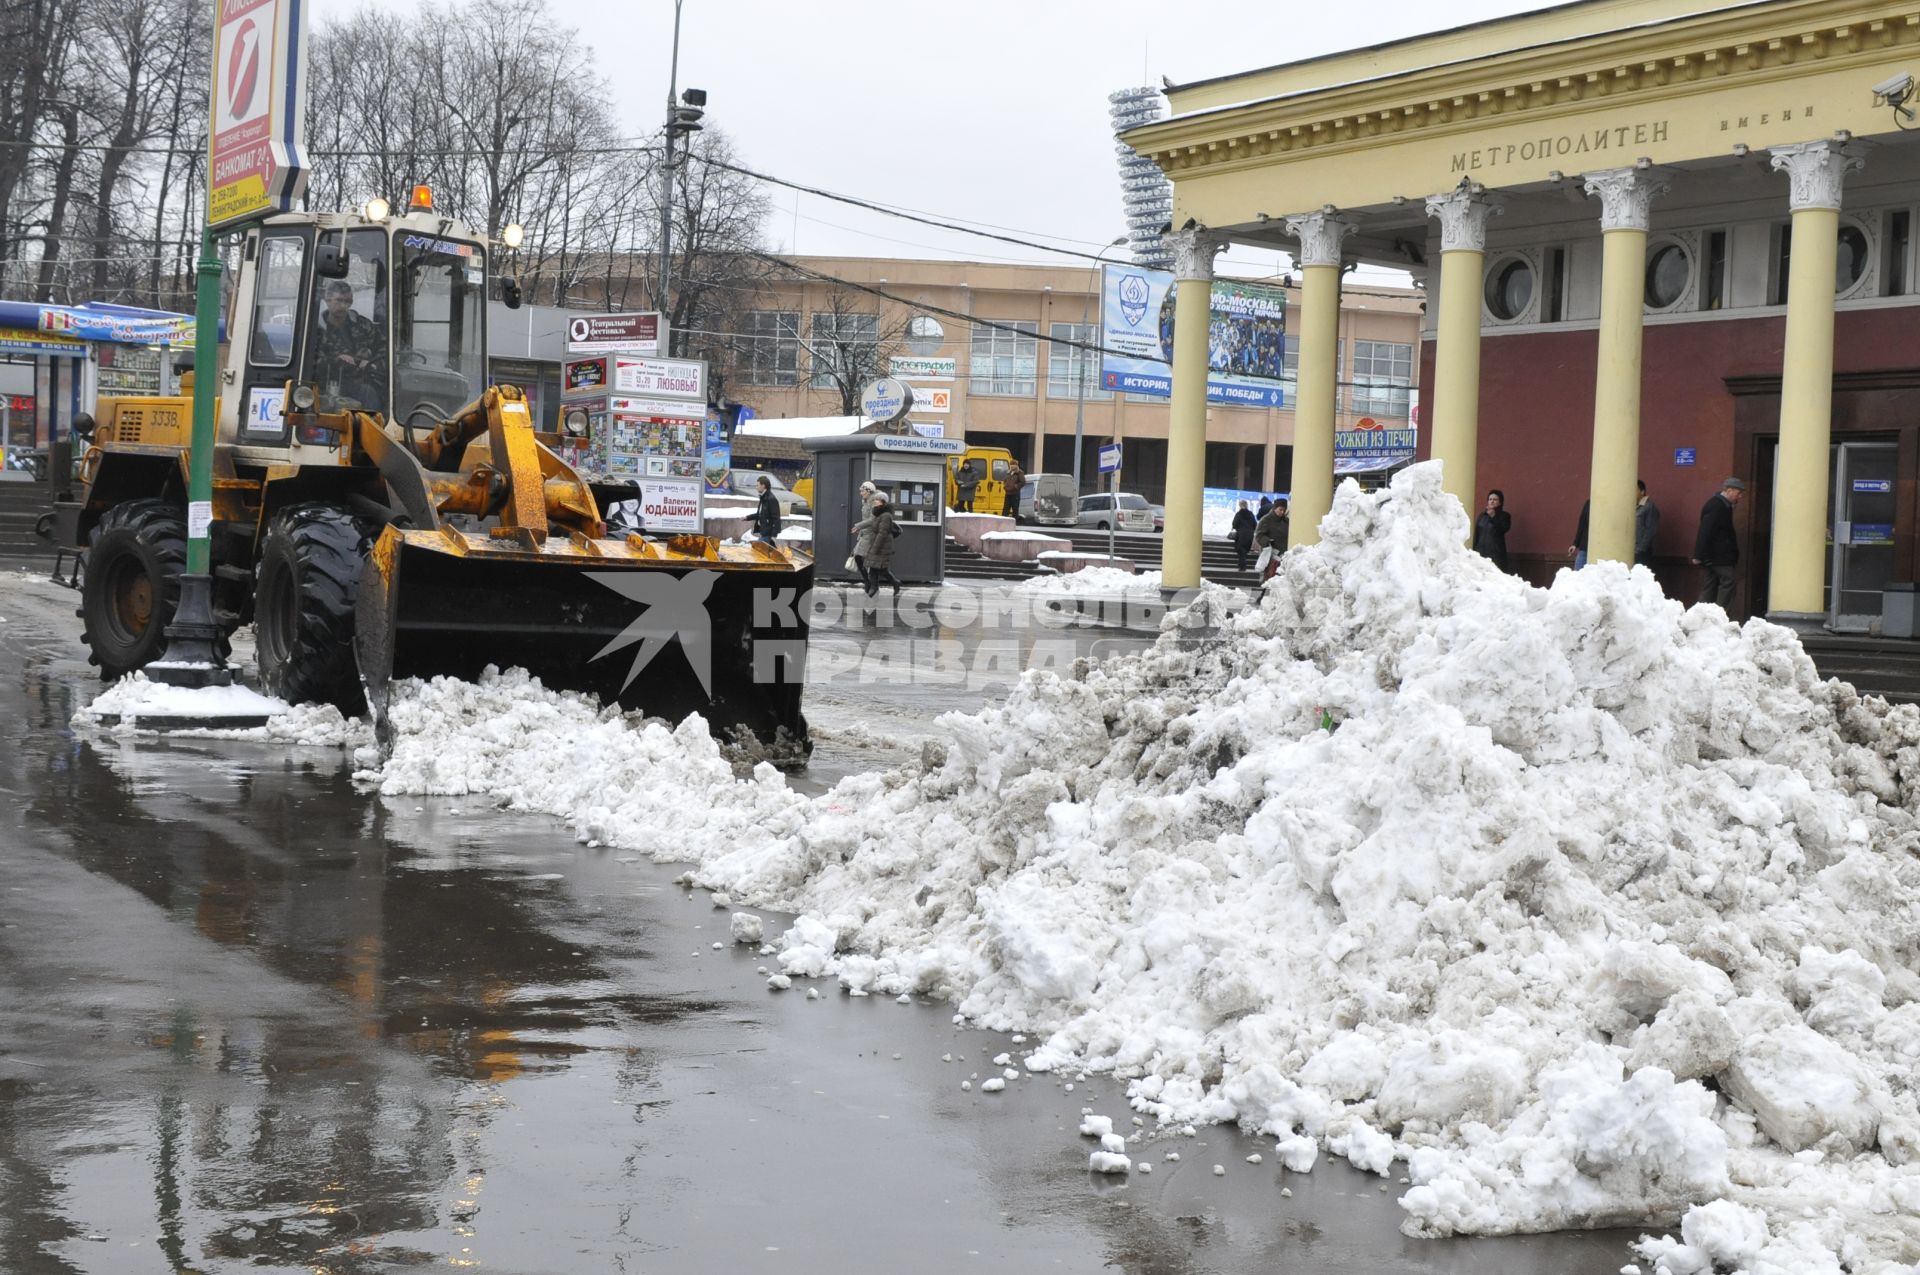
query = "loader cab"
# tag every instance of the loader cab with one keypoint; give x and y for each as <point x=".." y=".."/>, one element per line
<point x="378" y="317"/>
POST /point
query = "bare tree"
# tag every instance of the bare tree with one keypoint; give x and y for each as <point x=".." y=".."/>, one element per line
<point x="851" y="343"/>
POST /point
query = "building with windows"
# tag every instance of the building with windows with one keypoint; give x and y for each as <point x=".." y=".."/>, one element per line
<point x="1018" y="383"/>
<point x="1661" y="243"/>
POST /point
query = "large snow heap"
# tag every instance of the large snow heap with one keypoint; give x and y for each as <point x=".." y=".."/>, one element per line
<point x="1589" y="906"/>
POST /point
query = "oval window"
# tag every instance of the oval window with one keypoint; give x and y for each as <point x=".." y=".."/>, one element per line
<point x="1850" y="261"/>
<point x="1509" y="289"/>
<point x="1667" y="271"/>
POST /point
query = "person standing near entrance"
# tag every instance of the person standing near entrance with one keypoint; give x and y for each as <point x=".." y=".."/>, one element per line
<point x="1716" y="548"/>
<point x="1491" y="527"/>
<point x="1016" y="479"/>
<point x="1579" y="547"/>
<point x="1646" y="521"/>
<point x="964" y="483"/>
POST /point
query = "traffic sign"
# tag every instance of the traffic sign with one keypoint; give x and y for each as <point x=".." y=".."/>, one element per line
<point x="1110" y="458"/>
<point x="256" y="160"/>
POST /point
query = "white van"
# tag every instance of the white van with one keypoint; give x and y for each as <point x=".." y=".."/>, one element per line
<point x="1047" y="499"/>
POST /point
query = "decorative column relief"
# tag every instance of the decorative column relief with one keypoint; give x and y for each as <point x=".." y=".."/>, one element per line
<point x="1321" y="236"/>
<point x="1626" y="195"/>
<point x="1815" y="169"/>
<point x="1193" y="252"/>
<point x="1463" y="217"/>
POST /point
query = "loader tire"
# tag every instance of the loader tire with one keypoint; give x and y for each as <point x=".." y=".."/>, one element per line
<point x="135" y="558"/>
<point x="310" y="564"/>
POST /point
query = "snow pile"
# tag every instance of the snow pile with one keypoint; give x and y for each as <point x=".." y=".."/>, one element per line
<point x="1590" y="908"/>
<point x="1094" y="582"/>
<point x="136" y="705"/>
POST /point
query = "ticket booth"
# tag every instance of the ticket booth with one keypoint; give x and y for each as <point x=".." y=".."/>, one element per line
<point x="910" y="472"/>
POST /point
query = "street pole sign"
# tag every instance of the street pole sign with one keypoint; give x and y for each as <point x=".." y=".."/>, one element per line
<point x="1110" y="458"/>
<point x="1110" y="464"/>
<point x="637" y="333"/>
<point x="256" y="166"/>
<point x="886" y="400"/>
<point x="256" y="161"/>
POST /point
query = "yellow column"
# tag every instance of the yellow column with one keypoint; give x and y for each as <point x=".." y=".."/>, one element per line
<point x="1626" y="196"/>
<point x="1796" y="587"/>
<point x="1321" y="235"/>
<point x="1187" y="409"/>
<point x="1463" y="217"/>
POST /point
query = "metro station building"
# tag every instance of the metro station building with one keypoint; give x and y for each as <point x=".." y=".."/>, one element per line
<point x="1658" y="247"/>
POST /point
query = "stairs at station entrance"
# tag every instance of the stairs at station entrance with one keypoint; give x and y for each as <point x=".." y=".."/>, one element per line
<point x="22" y="504"/>
<point x="1888" y="667"/>
<point x="1218" y="562"/>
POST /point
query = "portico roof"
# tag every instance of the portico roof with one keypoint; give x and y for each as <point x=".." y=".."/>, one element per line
<point x="1526" y="101"/>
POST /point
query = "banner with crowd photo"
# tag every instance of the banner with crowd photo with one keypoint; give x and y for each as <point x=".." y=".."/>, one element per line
<point x="1246" y="337"/>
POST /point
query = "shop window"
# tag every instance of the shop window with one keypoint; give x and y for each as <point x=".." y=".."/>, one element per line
<point x="1893" y="282"/>
<point x="1850" y="259"/>
<point x="1713" y="283"/>
<point x="1509" y="288"/>
<point x="1669" y="270"/>
<point x="1782" y="263"/>
<point x="1553" y="296"/>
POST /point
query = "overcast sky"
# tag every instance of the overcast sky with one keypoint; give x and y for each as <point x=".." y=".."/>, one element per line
<point x="982" y="110"/>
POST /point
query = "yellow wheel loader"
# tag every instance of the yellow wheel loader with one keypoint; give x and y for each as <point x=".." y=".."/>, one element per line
<point x="380" y="511"/>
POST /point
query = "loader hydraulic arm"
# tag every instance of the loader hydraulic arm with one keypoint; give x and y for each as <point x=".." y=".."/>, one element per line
<point x="512" y="476"/>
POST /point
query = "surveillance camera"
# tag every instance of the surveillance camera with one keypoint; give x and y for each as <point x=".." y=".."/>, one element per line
<point x="1895" y="89"/>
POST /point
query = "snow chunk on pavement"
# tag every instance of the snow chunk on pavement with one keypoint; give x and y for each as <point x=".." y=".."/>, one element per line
<point x="745" y="927"/>
<point x="1109" y="1162"/>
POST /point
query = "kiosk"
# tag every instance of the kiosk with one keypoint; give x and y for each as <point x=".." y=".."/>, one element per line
<point x="911" y="472"/>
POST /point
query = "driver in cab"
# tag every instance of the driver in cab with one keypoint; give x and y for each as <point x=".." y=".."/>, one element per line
<point x="349" y="351"/>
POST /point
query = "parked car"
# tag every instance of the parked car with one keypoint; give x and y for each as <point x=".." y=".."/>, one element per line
<point x="1125" y="512"/>
<point x="1159" y="517"/>
<point x="746" y="482"/>
<point x="1047" y="499"/>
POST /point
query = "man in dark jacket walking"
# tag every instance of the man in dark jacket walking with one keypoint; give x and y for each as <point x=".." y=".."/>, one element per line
<point x="1716" y="547"/>
<point x="766" y="519"/>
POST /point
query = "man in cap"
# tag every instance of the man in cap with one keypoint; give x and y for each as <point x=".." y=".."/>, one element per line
<point x="1716" y="547"/>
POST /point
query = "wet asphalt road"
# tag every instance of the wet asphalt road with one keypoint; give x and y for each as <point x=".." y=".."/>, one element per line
<point x="253" y="1018"/>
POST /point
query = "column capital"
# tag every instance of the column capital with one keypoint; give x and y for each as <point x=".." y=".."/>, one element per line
<point x="1814" y="169"/>
<point x="1321" y="235"/>
<point x="1193" y="252"/>
<point x="1463" y="214"/>
<point x="1626" y="195"/>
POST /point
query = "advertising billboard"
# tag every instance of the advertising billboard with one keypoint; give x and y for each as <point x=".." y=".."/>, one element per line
<point x="1246" y="337"/>
<point x="256" y="148"/>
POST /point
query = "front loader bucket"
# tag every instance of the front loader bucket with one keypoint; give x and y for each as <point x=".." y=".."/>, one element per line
<point x="668" y="628"/>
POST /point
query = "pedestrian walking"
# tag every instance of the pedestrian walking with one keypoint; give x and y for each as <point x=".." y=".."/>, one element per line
<point x="1016" y="479"/>
<point x="766" y="518"/>
<point x="1244" y="524"/>
<point x="964" y="482"/>
<point x="1646" y="522"/>
<point x="879" y="557"/>
<point x="1271" y="535"/>
<point x="1716" y="547"/>
<point x="1491" y="527"/>
<point x="863" y="531"/>
<point x="1579" y="547"/>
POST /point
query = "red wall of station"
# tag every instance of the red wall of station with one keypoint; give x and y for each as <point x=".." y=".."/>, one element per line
<point x="1536" y="415"/>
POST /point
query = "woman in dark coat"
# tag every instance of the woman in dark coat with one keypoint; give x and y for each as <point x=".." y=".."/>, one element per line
<point x="1243" y="524"/>
<point x="1491" y="527"/>
<point x="879" y="560"/>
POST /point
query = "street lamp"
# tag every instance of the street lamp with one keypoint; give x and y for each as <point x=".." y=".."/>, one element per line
<point x="683" y="117"/>
<point x="1080" y="361"/>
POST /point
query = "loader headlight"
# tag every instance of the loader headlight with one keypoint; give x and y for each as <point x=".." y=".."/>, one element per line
<point x="376" y="209"/>
<point x="575" y="423"/>
<point x="513" y="234"/>
<point x="303" y="398"/>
